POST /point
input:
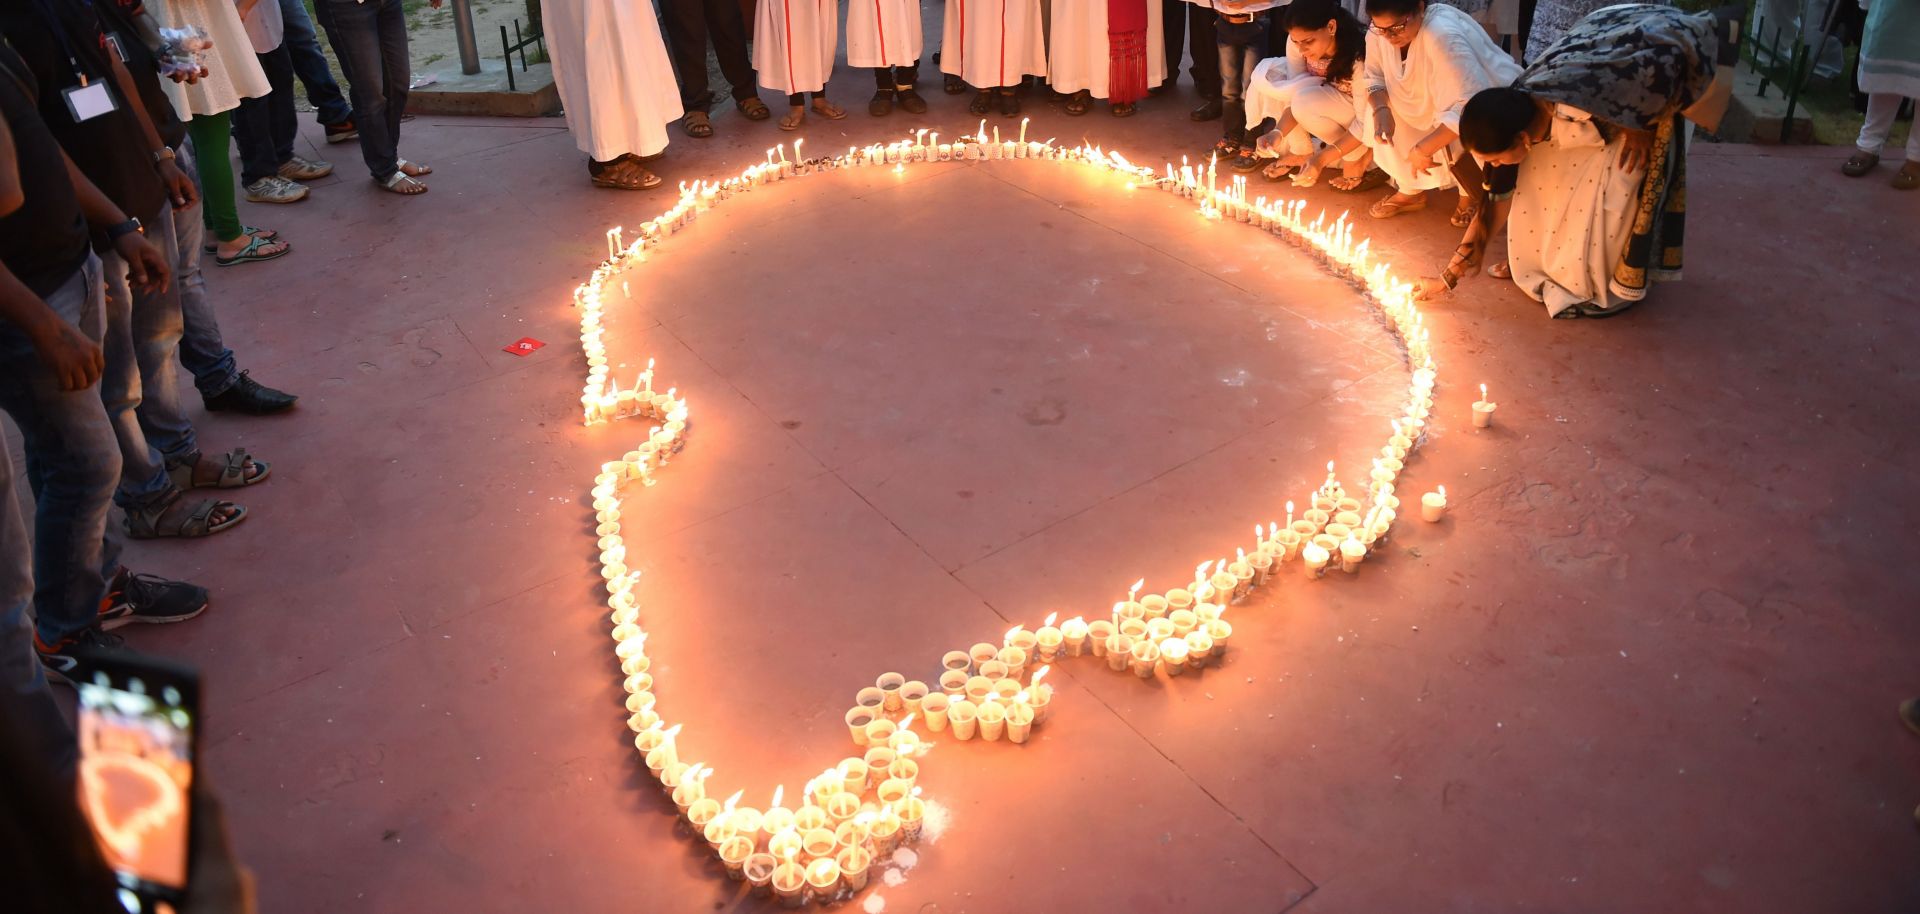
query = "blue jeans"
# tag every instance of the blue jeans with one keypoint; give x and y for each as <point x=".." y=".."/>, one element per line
<point x="73" y="463"/>
<point x="22" y="678"/>
<point x="202" y="350"/>
<point x="311" y="65"/>
<point x="1241" y="46"/>
<point x="371" y="41"/>
<point x="141" y="384"/>
<point x="264" y="127"/>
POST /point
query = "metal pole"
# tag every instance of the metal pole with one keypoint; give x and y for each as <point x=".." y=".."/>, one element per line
<point x="463" y="36"/>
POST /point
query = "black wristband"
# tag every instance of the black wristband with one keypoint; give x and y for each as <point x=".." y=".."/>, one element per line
<point x="124" y="229"/>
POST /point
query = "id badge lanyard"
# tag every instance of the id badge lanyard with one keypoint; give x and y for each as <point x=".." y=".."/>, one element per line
<point x="90" y="98"/>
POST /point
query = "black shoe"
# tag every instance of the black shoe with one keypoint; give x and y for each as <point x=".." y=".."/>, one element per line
<point x="1009" y="103"/>
<point x="881" y="104"/>
<point x="982" y="103"/>
<point x="250" y="397"/>
<point x="73" y="659"/>
<point x="911" y="102"/>
<point x="1160" y="89"/>
<point x="148" y="598"/>
<point x="341" y="132"/>
<point x="953" y="85"/>
<point x="1209" y="110"/>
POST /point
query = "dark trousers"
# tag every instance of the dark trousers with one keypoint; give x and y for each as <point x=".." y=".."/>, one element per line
<point x="1240" y="46"/>
<point x="264" y="127"/>
<point x="310" y="65"/>
<point x="887" y="79"/>
<point x="689" y="25"/>
<point x="1189" y="29"/>
<point x="370" y="39"/>
<point x="800" y="98"/>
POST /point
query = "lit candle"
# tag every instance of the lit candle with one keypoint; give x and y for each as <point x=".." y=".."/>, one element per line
<point x="993" y="720"/>
<point x="1019" y="719"/>
<point x="1174" y="652"/>
<point x="1352" y="552"/>
<point x="1040" y="695"/>
<point x="1433" y="505"/>
<point x="1315" y="556"/>
<point x="1074" y="631"/>
<point x="1145" y="656"/>
<point x="962" y="718"/>
<point x="1483" y="409"/>
<point x="1048" y="639"/>
<point x="789" y="880"/>
<point x="854" y="862"/>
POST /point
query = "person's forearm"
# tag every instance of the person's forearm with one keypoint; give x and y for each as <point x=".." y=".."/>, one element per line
<point x="1343" y="141"/>
<point x="1377" y="97"/>
<point x="148" y="29"/>
<point x="101" y="213"/>
<point x="20" y="307"/>
<point x="12" y="196"/>
<point x="1439" y="139"/>
<point x="131" y="95"/>
<point x="1284" y="127"/>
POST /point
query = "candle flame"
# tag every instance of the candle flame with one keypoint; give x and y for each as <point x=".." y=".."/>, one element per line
<point x="1242" y="553"/>
<point x="1020" y="698"/>
<point x="1289" y="508"/>
<point x="672" y="732"/>
<point x="1012" y="631"/>
<point x="1050" y="617"/>
<point x="916" y="791"/>
<point x="779" y="793"/>
<point x="1039" y="676"/>
<point x="1136" y="588"/>
<point x="906" y="724"/>
<point x="1443" y="491"/>
<point x="733" y="801"/>
<point x="1483" y="392"/>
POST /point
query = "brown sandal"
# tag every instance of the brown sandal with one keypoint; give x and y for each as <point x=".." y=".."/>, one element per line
<point x="696" y="125"/>
<point x="622" y="174"/>
<point x="235" y="469"/>
<point x="1908" y="177"/>
<point x="828" y="109"/>
<point x="753" y="109"/>
<point x="1859" y="163"/>
<point x="153" y="521"/>
<point x="1387" y="207"/>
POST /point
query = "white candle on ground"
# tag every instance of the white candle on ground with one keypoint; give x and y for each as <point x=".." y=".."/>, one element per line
<point x="1483" y="409"/>
<point x="1433" y="505"/>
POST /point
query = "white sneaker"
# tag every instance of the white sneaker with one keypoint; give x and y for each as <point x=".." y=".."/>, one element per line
<point x="276" y="190"/>
<point x="299" y="169"/>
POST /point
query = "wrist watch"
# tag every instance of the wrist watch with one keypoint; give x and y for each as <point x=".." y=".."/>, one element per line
<point x="163" y="154"/>
<point x="115" y="233"/>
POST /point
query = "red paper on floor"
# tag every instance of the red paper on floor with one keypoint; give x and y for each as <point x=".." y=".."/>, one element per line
<point x="523" y="345"/>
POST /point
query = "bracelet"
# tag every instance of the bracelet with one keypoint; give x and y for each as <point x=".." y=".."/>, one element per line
<point x="163" y="154"/>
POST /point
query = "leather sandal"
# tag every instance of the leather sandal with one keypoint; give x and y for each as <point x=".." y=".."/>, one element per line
<point x="753" y="109"/>
<point x="696" y="124"/>
<point x="1859" y="163"/>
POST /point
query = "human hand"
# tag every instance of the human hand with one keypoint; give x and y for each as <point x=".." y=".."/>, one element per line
<point x="1308" y="175"/>
<point x="1422" y="161"/>
<point x="1383" y="125"/>
<point x="1267" y="145"/>
<point x="1639" y="149"/>
<point x="179" y="187"/>
<point x="76" y="361"/>
<point x="146" y="267"/>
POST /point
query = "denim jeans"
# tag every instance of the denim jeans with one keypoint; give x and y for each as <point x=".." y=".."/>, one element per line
<point x="73" y="463"/>
<point x="311" y="66"/>
<point x="202" y="350"/>
<point x="141" y="384"/>
<point x="370" y="39"/>
<point x="1241" y="45"/>
<point x="28" y="697"/>
<point x="264" y="127"/>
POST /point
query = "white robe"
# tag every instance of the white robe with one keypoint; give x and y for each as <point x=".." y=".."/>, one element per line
<point x="1449" y="61"/>
<point x="1079" y="51"/>
<point x="1572" y="211"/>
<point x="993" y="43"/>
<point x="883" y="33"/>
<point x="613" y="74"/>
<point x="793" y="44"/>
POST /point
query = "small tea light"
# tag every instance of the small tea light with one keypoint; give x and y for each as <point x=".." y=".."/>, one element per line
<point x="1433" y="505"/>
<point x="1483" y="409"/>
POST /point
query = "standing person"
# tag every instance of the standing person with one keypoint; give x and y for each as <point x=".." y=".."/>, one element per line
<point x="793" y="44"/>
<point x="370" y="39"/>
<point x="616" y="84"/>
<point x="884" y="35"/>
<point x="1586" y="159"/>
<point x="1240" y="33"/>
<point x="232" y="72"/>
<point x="1106" y="49"/>
<point x="689" y="24"/>
<point x="1186" y="27"/>
<point x="52" y="319"/>
<point x="992" y="45"/>
<point x="1423" y="63"/>
<point x="1889" y="74"/>
<point x="264" y="126"/>
<point x="330" y="107"/>
<point x="106" y="133"/>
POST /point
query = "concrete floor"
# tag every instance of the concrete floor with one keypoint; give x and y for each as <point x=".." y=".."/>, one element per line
<point x="1649" y="663"/>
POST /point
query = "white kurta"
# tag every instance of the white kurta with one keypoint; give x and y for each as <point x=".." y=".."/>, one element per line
<point x="993" y="43"/>
<point x="793" y="43"/>
<point x="1572" y="211"/>
<point x="1448" y="62"/>
<point x="233" y="71"/>
<point x="883" y="33"/>
<point x="1079" y="51"/>
<point x="613" y="74"/>
<point x="1270" y="90"/>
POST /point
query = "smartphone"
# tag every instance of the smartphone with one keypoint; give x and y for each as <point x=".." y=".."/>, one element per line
<point x="139" y="722"/>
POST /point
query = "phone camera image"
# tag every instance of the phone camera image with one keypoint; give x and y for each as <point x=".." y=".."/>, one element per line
<point x="136" y="770"/>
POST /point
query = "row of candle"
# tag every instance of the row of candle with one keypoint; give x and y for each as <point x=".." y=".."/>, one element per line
<point x="864" y="807"/>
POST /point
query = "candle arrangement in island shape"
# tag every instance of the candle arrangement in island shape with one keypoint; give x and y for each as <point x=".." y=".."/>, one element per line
<point x="848" y="819"/>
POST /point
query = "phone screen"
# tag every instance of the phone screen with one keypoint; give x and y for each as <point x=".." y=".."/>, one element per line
<point x="136" y="775"/>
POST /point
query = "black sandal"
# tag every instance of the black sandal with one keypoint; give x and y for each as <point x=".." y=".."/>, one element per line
<point x="1009" y="103"/>
<point x="1079" y="102"/>
<point x="1124" y="109"/>
<point x="621" y="174"/>
<point x="954" y="85"/>
<point x="982" y="102"/>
